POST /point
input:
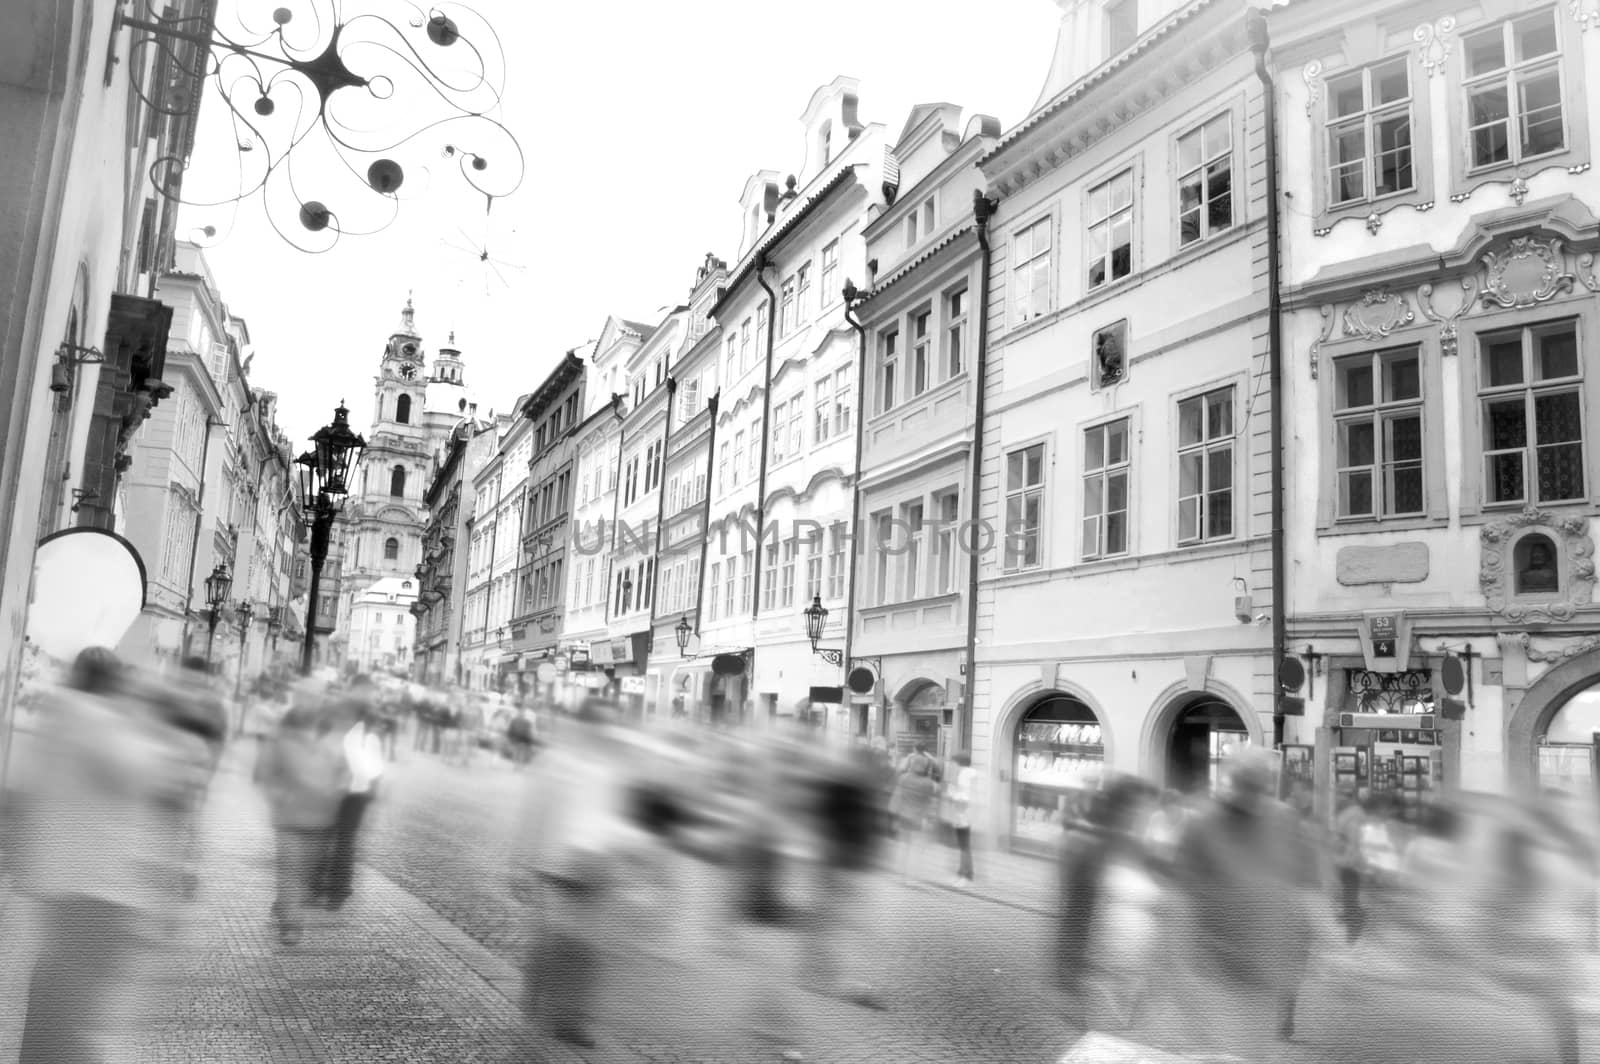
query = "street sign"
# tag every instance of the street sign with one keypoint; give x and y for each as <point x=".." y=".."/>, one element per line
<point x="831" y="695"/>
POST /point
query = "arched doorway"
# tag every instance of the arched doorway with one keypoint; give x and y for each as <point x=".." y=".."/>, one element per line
<point x="1059" y="754"/>
<point x="1566" y="750"/>
<point x="1204" y="731"/>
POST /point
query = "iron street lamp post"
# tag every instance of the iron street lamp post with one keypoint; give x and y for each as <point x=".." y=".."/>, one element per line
<point x="217" y="585"/>
<point x="816" y="617"/>
<point x="247" y="612"/>
<point x="324" y="483"/>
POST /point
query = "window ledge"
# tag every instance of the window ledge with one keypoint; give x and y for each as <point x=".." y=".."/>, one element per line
<point x="1499" y="511"/>
<point x="1370" y="526"/>
<point x="950" y="598"/>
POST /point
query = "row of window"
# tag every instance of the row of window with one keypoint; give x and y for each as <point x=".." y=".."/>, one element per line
<point x="803" y="566"/>
<point x="550" y="500"/>
<point x="1513" y="109"/>
<point x="831" y="414"/>
<point x="744" y="344"/>
<point x="934" y="350"/>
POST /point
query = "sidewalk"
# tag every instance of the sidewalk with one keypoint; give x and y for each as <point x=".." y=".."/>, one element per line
<point x="385" y="980"/>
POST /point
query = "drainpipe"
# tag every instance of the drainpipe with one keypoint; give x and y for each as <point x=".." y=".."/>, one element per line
<point x="616" y="508"/>
<point x="1256" y="31"/>
<point x="661" y="513"/>
<point x="851" y="296"/>
<point x="761" y="481"/>
<point x="199" y="524"/>
<point x="983" y="209"/>
<point x="705" y="520"/>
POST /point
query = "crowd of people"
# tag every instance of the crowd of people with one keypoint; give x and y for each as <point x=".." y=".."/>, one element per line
<point x="1228" y="922"/>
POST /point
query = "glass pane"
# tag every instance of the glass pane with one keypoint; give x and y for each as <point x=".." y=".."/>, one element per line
<point x="1014" y="517"/>
<point x="1534" y="36"/>
<point x="1561" y="472"/>
<point x="1189" y="227"/>
<point x="1504" y="472"/>
<point x="1393" y="169"/>
<point x="1556" y="418"/>
<point x="1558" y="354"/>
<point x="1041" y="236"/>
<point x="1355" y="493"/>
<point x="1098" y="198"/>
<point x="1216" y="136"/>
<point x="1116" y="442"/>
<point x="1122" y="245"/>
<point x="1219" y="467"/>
<point x="1219" y="514"/>
<point x="1116" y="533"/>
<point x="1092" y="496"/>
<point x="1189" y="192"/>
<point x="1539" y="100"/>
<point x="1403" y="380"/>
<point x="1404" y="442"/>
<point x="1219" y="415"/>
<point x="1035" y="464"/>
<point x="1355" y="383"/>
<point x="1188" y="519"/>
<point x="1348" y="182"/>
<point x="1189" y="474"/>
<point x="1219" y="186"/>
<point x="1030" y="510"/>
<point x="1347" y="95"/>
<point x="1122" y="190"/>
<point x="1508" y="424"/>
<point x="1094" y="445"/>
<point x="1014" y="462"/>
<point x="1189" y="422"/>
<point x="1491" y="144"/>
<point x="1357" y="443"/>
<point x="1502" y="358"/>
<point x="1391" y="81"/>
<point x="1117" y="492"/>
<point x="1189" y="152"/>
<point x="1405" y="490"/>
<point x="1486" y="51"/>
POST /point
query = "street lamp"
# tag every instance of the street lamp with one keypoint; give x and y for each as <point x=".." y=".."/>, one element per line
<point x="683" y="631"/>
<point x="816" y="617"/>
<point x="324" y="483"/>
<point x="246" y="612"/>
<point x="217" y="585"/>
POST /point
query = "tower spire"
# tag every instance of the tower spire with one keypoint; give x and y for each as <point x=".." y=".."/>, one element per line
<point x="408" y="322"/>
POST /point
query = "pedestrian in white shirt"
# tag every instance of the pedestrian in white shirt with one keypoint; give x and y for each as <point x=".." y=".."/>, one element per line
<point x="364" y="762"/>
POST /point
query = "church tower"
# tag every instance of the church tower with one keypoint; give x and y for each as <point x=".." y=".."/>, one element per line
<point x="384" y="516"/>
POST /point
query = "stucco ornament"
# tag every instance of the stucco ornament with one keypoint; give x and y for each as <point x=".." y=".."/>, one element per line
<point x="1586" y="271"/>
<point x="1379" y="313"/>
<point x="1571" y="534"/>
<point x="1316" y="345"/>
<point x="1560" y="654"/>
<point x="1311" y="74"/>
<point x="1585" y="16"/>
<point x="1449" y="341"/>
<point x="1374" y="223"/>
<point x="1435" y="41"/>
<point x="1528" y="272"/>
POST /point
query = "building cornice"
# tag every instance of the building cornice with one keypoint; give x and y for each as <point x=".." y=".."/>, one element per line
<point x="1166" y="62"/>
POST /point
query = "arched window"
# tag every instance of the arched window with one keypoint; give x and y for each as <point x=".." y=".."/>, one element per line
<point x="397" y="481"/>
<point x="391" y="549"/>
<point x="402" y="410"/>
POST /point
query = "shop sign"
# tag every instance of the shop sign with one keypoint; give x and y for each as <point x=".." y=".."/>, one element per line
<point x="601" y="653"/>
<point x="1385" y="641"/>
<point x="633" y="685"/>
<point x="591" y="681"/>
<point x="561" y="663"/>
<point x="622" y="650"/>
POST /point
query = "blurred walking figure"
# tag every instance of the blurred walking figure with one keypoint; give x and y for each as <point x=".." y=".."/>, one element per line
<point x="912" y="805"/>
<point x="521" y="734"/>
<point x="847" y="814"/>
<point x="104" y="804"/>
<point x="333" y="880"/>
<point x="1246" y="879"/>
<point x="302" y="772"/>
<point x="569" y="869"/>
<point x="958" y="813"/>
<point x="1109" y="830"/>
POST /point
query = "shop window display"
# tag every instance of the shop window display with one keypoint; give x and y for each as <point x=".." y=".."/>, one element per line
<point x="1568" y="750"/>
<point x="1059" y="757"/>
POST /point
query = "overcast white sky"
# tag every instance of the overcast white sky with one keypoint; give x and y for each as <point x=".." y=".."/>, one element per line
<point x="640" y="121"/>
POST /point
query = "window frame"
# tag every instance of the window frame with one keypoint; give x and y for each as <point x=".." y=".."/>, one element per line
<point x="1464" y="177"/>
<point x="1046" y="467"/>
<point x="1104" y="472"/>
<point x="1014" y="267"/>
<point x="1089" y="223"/>
<point x="829" y="271"/>
<point x="888" y="366"/>
<point x="1510" y="77"/>
<point x="1205" y="447"/>
<point x="1229" y="116"/>
<point x="953" y="327"/>
<point x="1377" y="413"/>
<point x="921" y="352"/>
<point x="1529" y="390"/>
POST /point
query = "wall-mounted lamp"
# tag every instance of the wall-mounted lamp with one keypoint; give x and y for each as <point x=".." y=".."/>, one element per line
<point x="68" y="358"/>
<point x="1243" y="606"/>
<point x="80" y="496"/>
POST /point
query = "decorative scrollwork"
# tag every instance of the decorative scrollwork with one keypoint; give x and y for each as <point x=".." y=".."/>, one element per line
<point x="1566" y="653"/>
<point x="1586" y="271"/>
<point x="1311" y="74"/>
<point x="1393" y="692"/>
<point x="1435" y="41"/>
<point x="1528" y="272"/>
<point x="330" y="116"/>
<point x="1449" y="341"/>
<point x="1316" y="345"/>
<point x="1378" y="314"/>
<point x="1585" y="17"/>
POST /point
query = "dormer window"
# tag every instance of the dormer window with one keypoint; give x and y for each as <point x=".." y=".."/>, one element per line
<point x="1122" y="26"/>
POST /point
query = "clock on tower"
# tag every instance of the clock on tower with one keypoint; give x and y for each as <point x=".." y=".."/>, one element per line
<point x="408" y="371"/>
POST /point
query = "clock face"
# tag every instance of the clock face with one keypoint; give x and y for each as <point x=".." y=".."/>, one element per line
<point x="408" y="371"/>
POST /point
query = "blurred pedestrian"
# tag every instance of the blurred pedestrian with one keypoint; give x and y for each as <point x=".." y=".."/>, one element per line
<point x="521" y="734"/>
<point x="102" y="844"/>
<point x="302" y="772"/>
<point x="958" y="813"/>
<point x="913" y="805"/>
<point x="333" y="880"/>
<point x="841" y="918"/>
